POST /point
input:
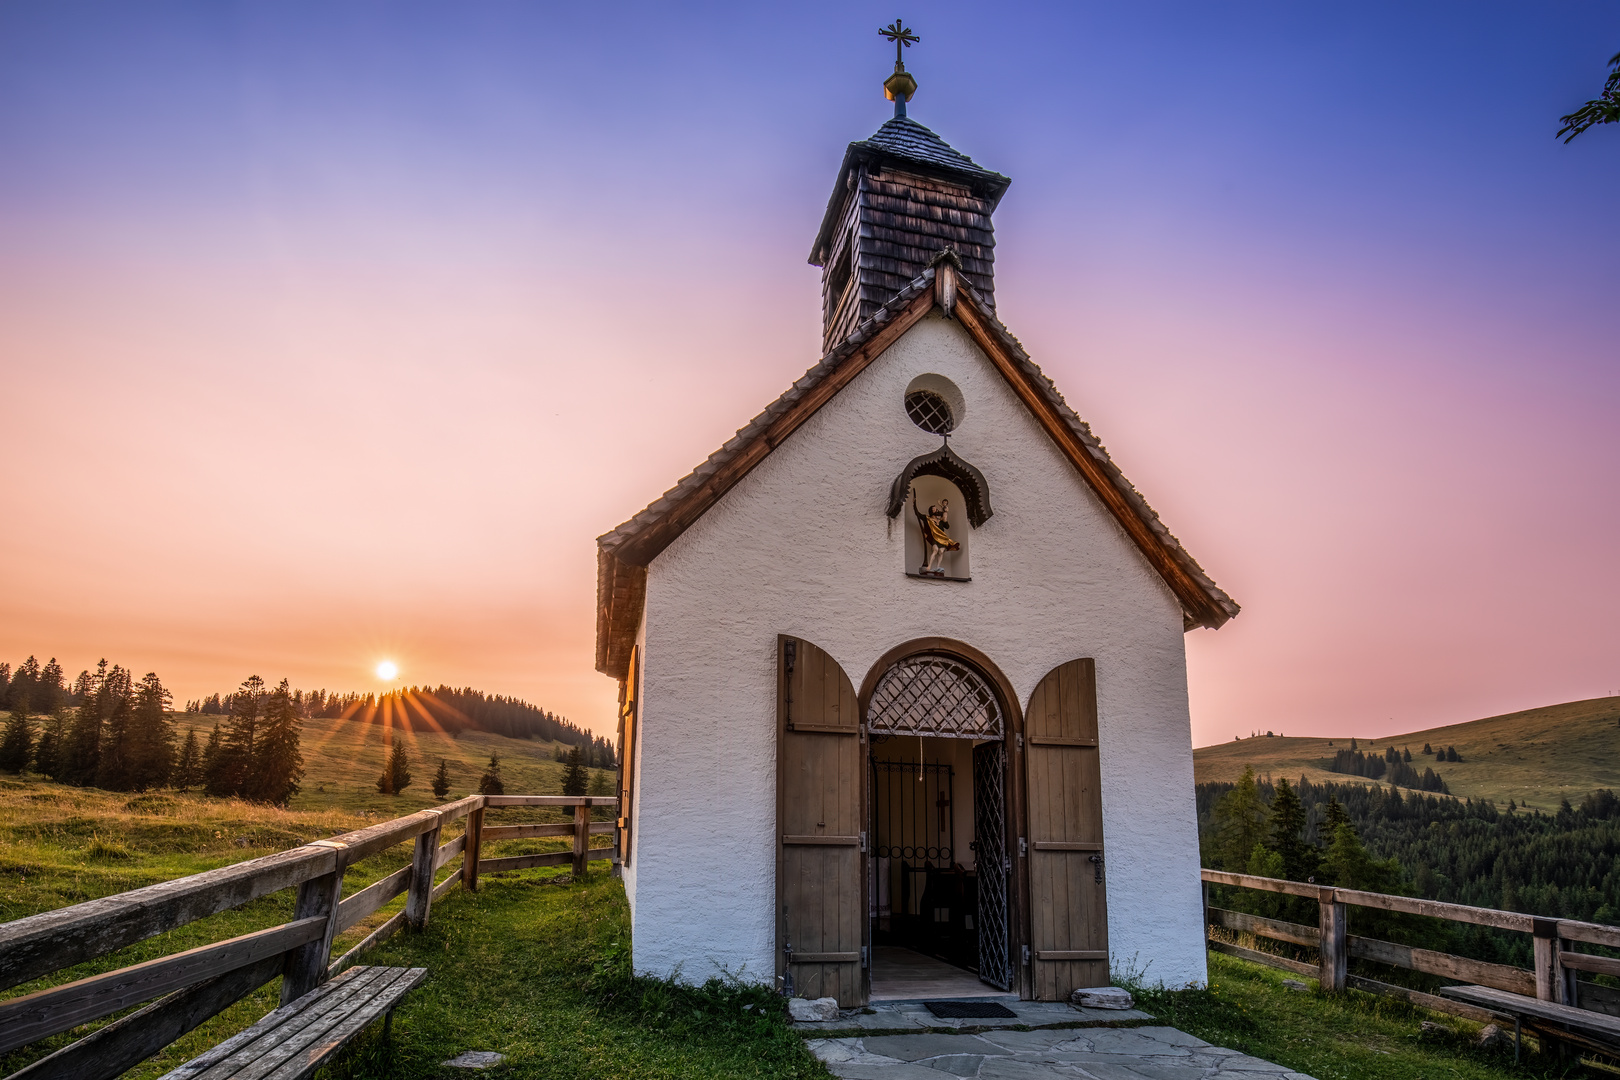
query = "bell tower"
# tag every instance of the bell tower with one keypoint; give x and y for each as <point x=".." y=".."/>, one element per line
<point x="902" y="196"/>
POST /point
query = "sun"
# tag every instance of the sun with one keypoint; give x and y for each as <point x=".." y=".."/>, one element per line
<point x="387" y="670"/>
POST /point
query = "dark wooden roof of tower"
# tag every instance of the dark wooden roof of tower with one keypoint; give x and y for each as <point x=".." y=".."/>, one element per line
<point x="901" y="196"/>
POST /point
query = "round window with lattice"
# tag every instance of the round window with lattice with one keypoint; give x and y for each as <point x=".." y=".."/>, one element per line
<point x="930" y="411"/>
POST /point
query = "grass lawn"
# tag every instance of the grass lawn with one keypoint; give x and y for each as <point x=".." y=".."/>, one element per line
<point x="1353" y="1037"/>
<point x="537" y="968"/>
<point x="540" y="972"/>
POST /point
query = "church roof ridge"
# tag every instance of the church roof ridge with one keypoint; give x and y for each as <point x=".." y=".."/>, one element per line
<point x="903" y="137"/>
<point x="639" y="540"/>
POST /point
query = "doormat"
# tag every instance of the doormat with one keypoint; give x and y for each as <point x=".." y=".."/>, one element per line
<point x="970" y="1010"/>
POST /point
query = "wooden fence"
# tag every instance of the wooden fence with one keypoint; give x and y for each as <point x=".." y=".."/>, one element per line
<point x="194" y="985"/>
<point x="1557" y="957"/>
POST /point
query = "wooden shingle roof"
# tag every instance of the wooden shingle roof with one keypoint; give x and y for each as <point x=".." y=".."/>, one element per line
<point x="624" y="553"/>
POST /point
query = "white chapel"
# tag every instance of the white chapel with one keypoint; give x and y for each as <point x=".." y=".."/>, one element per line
<point x="949" y="748"/>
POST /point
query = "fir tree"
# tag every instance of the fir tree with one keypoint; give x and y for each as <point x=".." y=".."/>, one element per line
<point x="441" y="780"/>
<point x="1288" y="833"/>
<point x="1332" y="818"/>
<point x="1406" y="755"/>
<point x="210" y="755"/>
<point x="234" y="759"/>
<point x="79" y="760"/>
<point x="16" y="742"/>
<point x="48" y="751"/>
<point x="1427" y="749"/>
<point x="116" y="753"/>
<point x="188" y="768"/>
<point x="490" y="783"/>
<point x="1240" y="820"/>
<point x="148" y="754"/>
<point x="396" y="774"/>
<point x="21" y="690"/>
<point x="600" y="785"/>
<point x="573" y="774"/>
<point x="278" y="764"/>
<point x="48" y="690"/>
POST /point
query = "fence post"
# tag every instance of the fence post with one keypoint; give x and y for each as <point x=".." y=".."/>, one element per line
<point x="582" y="836"/>
<point x="472" y="853"/>
<point x="1334" y="923"/>
<point x="305" y="967"/>
<point x="420" y="898"/>
<point x="1551" y="984"/>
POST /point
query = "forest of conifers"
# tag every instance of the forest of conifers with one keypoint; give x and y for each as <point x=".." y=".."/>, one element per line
<point x="1565" y="864"/>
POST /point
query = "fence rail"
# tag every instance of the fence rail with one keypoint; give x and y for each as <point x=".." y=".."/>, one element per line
<point x="1553" y="978"/>
<point x="194" y="985"/>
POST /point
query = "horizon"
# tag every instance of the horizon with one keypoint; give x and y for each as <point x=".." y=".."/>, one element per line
<point x="336" y="336"/>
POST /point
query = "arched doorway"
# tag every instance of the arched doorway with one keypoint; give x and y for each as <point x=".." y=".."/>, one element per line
<point x="941" y="890"/>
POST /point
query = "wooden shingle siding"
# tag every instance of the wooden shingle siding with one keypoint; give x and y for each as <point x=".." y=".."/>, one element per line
<point x="891" y="225"/>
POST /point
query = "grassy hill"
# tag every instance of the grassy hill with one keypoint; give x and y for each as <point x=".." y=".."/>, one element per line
<point x="1535" y="757"/>
<point x="343" y="758"/>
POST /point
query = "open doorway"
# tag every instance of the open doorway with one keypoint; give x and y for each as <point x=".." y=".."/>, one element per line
<point x="938" y="872"/>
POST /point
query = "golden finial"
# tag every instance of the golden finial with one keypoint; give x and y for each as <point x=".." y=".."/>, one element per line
<point x="899" y="87"/>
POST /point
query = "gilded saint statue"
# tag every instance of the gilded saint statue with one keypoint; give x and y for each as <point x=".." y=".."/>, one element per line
<point x="935" y="526"/>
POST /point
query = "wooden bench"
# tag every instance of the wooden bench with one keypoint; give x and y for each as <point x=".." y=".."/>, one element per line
<point x="298" y="1038"/>
<point x="1582" y="1027"/>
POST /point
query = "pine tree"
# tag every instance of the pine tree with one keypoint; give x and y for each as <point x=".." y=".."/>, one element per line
<point x="574" y="780"/>
<point x="441" y="780"/>
<point x="23" y="679"/>
<point x="188" y="768"/>
<point x="234" y="759"/>
<point x="1240" y="819"/>
<point x="49" y="690"/>
<point x="116" y="755"/>
<point x="278" y="764"/>
<point x="79" y="759"/>
<point x="490" y="783"/>
<point x="1334" y="816"/>
<point x="396" y="774"/>
<point x="1406" y="755"/>
<point x="48" y="751"/>
<point x="1427" y="749"/>
<point x="16" y="741"/>
<point x="210" y="757"/>
<point x="1288" y="833"/>
<point x="149" y="741"/>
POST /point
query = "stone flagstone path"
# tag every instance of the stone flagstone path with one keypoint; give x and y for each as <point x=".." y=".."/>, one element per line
<point x="992" y="1050"/>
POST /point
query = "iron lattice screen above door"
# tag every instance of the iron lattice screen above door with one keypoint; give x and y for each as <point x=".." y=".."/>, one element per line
<point x="930" y="694"/>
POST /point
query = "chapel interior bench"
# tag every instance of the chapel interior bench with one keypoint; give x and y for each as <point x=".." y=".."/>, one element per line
<point x="298" y="1038"/>
<point x="1581" y="1027"/>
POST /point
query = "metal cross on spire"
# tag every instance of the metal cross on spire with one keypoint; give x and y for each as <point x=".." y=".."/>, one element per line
<point x="902" y="38"/>
<point x="899" y="87"/>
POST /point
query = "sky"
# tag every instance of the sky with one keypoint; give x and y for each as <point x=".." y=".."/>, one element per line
<point x="336" y="333"/>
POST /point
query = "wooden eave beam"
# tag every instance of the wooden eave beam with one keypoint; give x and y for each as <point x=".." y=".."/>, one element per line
<point x="1191" y="594"/>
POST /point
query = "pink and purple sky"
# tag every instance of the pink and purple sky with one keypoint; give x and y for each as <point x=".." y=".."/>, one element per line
<point x="335" y="333"/>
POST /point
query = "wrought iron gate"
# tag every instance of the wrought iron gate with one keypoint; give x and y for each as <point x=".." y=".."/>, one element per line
<point x="990" y="837"/>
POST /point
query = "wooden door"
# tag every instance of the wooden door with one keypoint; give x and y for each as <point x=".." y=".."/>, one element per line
<point x="821" y="860"/>
<point x="1063" y="777"/>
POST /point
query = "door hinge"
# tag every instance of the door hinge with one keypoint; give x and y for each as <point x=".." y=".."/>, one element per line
<point x="1026" y="955"/>
<point x="863" y="841"/>
<point x="1097" y="861"/>
<point x="1020" y="742"/>
<point x="1006" y="863"/>
<point x="1023" y="848"/>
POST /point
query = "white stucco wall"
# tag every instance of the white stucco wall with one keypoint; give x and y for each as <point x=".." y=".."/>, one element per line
<point x="801" y="546"/>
